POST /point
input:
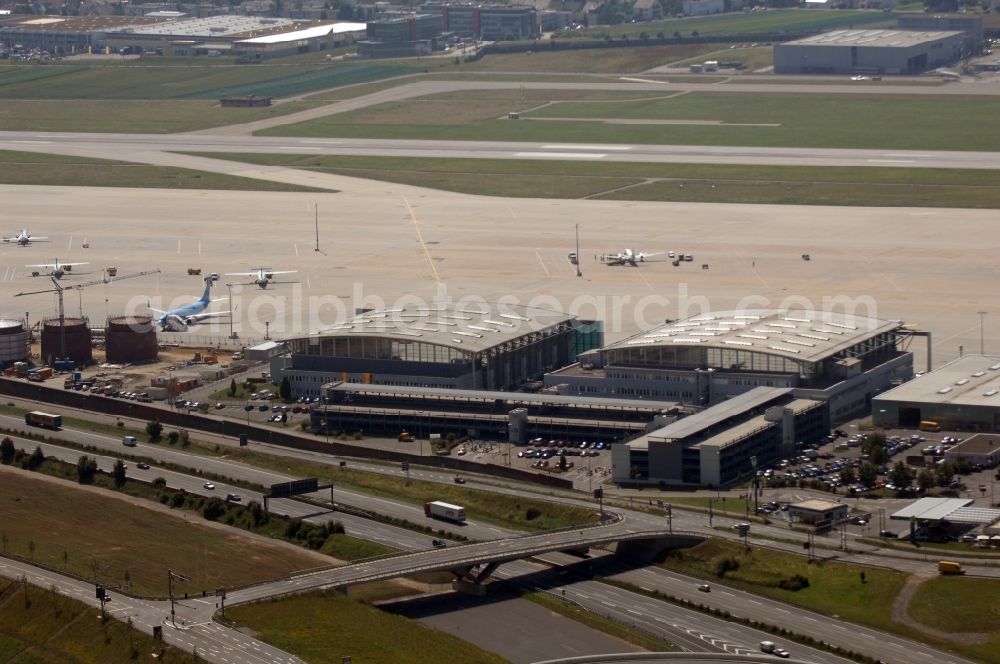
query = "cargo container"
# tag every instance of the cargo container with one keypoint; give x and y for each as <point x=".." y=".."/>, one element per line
<point x="37" y="418"/>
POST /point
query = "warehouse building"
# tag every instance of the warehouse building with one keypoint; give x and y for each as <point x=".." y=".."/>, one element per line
<point x="907" y="52"/>
<point x="841" y="359"/>
<point x="307" y="40"/>
<point x="961" y="395"/>
<point x="720" y="445"/>
<point x="970" y="25"/>
<point x="481" y="346"/>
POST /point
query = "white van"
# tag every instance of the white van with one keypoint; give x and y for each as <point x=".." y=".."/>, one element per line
<point x="128" y="441"/>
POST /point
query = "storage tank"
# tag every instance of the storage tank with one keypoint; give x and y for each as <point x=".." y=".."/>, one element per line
<point x="13" y="342"/>
<point x="78" y="346"/>
<point x="130" y="339"/>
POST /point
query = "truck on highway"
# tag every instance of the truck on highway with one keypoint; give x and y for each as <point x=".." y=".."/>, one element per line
<point x="128" y="441"/>
<point x="37" y="418"/>
<point x="767" y="647"/>
<point x="446" y="511"/>
<point x="949" y="567"/>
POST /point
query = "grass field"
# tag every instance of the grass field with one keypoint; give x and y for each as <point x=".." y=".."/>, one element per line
<point x="323" y="627"/>
<point x="971" y="609"/>
<point x="194" y="81"/>
<point x="38" y="626"/>
<point x="838" y="589"/>
<point x="56" y="170"/>
<point x="698" y="118"/>
<point x="770" y="21"/>
<point x="128" y="544"/>
<point x="898" y="187"/>
<point x="603" y="61"/>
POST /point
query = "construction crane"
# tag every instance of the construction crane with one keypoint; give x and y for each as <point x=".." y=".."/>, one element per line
<point x="63" y="362"/>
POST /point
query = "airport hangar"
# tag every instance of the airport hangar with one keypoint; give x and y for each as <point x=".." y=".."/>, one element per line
<point x="841" y="359"/>
<point x="906" y="52"/>
<point x="961" y="395"/>
<point x="483" y="346"/>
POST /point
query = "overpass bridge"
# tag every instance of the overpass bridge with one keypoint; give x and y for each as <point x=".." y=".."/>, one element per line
<point x="472" y="563"/>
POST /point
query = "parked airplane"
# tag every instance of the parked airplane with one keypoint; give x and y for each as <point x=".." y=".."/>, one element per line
<point x="56" y="269"/>
<point x="178" y="320"/>
<point x="627" y="257"/>
<point x="262" y="276"/>
<point x="24" y="238"/>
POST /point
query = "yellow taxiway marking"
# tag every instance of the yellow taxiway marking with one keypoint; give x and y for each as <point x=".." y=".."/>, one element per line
<point x="420" y="239"/>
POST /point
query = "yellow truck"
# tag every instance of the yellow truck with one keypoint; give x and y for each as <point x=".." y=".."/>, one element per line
<point x="949" y="567"/>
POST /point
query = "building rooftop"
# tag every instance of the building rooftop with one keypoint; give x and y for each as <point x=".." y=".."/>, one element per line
<point x="971" y="380"/>
<point x="736" y="433"/>
<point x="807" y="336"/>
<point x="980" y="443"/>
<point x="816" y="505"/>
<point x="307" y="33"/>
<point x="878" y="38"/>
<point x="931" y="509"/>
<point x="472" y="327"/>
<point x="76" y="23"/>
<point x="227" y="25"/>
<point x="525" y="398"/>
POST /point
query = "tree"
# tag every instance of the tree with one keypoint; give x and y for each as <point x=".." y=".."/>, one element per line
<point x="562" y="460"/>
<point x="868" y="474"/>
<point x="945" y="474"/>
<point x="925" y="480"/>
<point x="154" y="430"/>
<point x="86" y="468"/>
<point x="900" y="475"/>
<point x="7" y="451"/>
<point x="36" y="459"/>
<point x="847" y="475"/>
<point x="232" y="387"/>
<point x="118" y="472"/>
<point x="285" y="389"/>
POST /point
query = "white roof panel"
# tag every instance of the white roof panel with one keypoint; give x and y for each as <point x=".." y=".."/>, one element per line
<point x="307" y="33"/>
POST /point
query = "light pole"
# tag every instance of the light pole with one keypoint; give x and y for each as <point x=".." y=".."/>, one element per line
<point x="232" y="334"/>
<point x="982" y="325"/>
<point x="578" y="273"/>
<point x="171" y="575"/>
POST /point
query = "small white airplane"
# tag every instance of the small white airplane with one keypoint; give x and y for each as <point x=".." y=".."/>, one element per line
<point x="56" y="269"/>
<point x="262" y="276"/>
<point x="626" y="257"/>
<point x="24" y="238"/>
<point x="178" y="320"/>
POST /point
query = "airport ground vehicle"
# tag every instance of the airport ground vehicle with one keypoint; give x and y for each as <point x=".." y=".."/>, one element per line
<point x="950" y="567"/>
<point x="37" y="418"/>
<point x="128" y="441"/>
<point x="929" y="425"/>
<point x="446" y="511"/>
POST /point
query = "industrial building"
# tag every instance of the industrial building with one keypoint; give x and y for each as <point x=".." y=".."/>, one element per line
<point x="961" y="395"/>
<point x="907" y="52"/>
<point x="981" y="449"/>
<point x="841" y="359"/>
<point x="817" y="513"/>
<point x="720" y="445"/>
<point x="479" y="346"/>
<point x="307" y="40"/>
<point x="970" y="25"/>
<point x="13" y="342"/>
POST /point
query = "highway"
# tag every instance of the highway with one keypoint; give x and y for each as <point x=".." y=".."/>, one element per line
<point x="608" y="600"/>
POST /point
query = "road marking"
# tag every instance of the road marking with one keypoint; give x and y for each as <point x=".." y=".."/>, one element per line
<point x="547" y="273"/>
<point x="297" y="147"/>
<point x="633" y="611"/>
<point x="553" y="155"/>
<point x="420" y="239"/>
<point x="569" y="146"/>
<point x="296" y="245"/>
<point x="199" y="247"/>
<point x="178" y="246"/>
<point x="891" y="161"/>
<point x="34" y="142"/>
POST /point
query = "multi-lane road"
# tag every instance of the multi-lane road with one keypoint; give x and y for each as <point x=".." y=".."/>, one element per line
<point x="672" y="623"/>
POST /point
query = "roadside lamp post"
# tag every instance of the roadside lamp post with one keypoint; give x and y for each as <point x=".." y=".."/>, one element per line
<point x="171" y="575"/>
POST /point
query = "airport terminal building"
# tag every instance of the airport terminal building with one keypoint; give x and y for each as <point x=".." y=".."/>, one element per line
<point x="476" y="347"/>
<point x="906" y="52"/>
<point x="841" y="359"/>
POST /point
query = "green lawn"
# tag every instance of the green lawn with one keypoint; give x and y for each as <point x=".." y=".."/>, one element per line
<point x="698" y="118"/>
<point x="970" y="608"/>
<point x="771" y="21"/>
<point x="323" y="627"/>
<point x="47" y="628"/>
<point x="121" y="543"/>
<point x="36" y="168"/>
<point x="899" y="187"/>
<point x="625" y="60"/>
